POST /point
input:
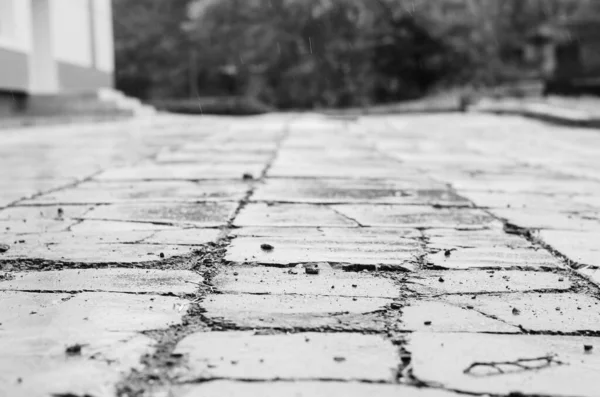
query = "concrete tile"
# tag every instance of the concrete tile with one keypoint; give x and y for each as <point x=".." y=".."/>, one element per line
<point x="579" y="246"/>
<point x="199" y="214"/>
<point x="227" y="388"/>
<point x="92" y="226"/>
<point x="350" y="246"/>
<point x="37" y="328"/>
<point x="265" y="280"/>
<point x="477" y="281"/>
<point x="416" y="216"/>
<point x="436" y="316"/>
<point x="74" y="252"/>
<point x="291" y="215"/>
<point x="352" y="191"/>
<point x="452" y="239"/>
<point x="10" y="228"/>
<point x="495" y="258"/>
<point x="443" y="358"/>
<point x="106" y="280"/>
<point x="304" y="356"/>
<point x="558" y="312"/>
<point x="295" y="311"/>
<point x="149" y="191"/>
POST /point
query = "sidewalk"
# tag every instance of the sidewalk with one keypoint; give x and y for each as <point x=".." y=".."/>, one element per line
<point x="301" y="255"/>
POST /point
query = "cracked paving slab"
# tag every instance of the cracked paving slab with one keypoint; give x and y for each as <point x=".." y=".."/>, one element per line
<point x="330" y="282"/>
<point x="554" y="312"/>
<point x="170" y="282"/>
<point x="102" y="330"/>
<point x="297" y="311"/>
<point x="493" y="364"/>
<point x="473" y="281"/>
<point x="347" y="246"/>
<point x="316" y="356"/>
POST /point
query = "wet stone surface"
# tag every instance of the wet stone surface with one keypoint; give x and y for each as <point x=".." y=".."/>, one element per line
<point x="300" y="255"/>
<point x="245" y="355"/>
<point x="329" y="282"/>
<point x="296" y="311"/>
<point x="356" y="246"/>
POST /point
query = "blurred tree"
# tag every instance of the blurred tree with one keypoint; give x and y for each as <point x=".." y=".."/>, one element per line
<point x="151" y="47"/>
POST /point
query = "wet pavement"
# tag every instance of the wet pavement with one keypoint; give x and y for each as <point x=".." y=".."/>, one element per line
<point x="300" y="255"/>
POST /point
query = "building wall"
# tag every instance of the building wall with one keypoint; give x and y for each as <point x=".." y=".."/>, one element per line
<point x="15" y="44"/>
<point x="81" y="43"/>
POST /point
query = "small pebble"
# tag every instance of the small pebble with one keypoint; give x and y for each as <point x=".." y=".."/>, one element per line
<point x="588" y="348"/>
<point x="427" y="323"/>
<point x="247" y="177"/>
<point x="266" y="247"/>
<point x="354" y="286"/>
<point x="441" y="279"/>
<point x="4" y="248"/>
<point x="235" y="273"/>
<point x="339" y="359"/>
<point x="311" y="270"/>
<point x="161" y="255"/>
<point x="73" y="350"/>
<point x="516" y="311"/>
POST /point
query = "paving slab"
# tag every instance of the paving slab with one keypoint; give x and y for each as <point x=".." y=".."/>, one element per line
<point x="265" y="280"/>
<point x="550" y="365"/>
<point x="198" y="214"/>
<point x="450" y="239"/>
<point x="147" y="191"/>
<point x="477" y="281"/>
<point x="36" y="329"/>
<point x="76" y="252"/>
<point x="37" y="365"/>
<point x="580" y="247"/>
<point x="494" y="258"/>
<point x="417" y="216"/>
<point x="303" y="356"/>
<point x="296" y="311"/>
<point x="227" y="388"/>
<point x="105" y="280"/>
<point x="540" y="219"/>
<point x="291" y="215"/>
<point x="436" y="316"/>
<point x="149" y="172"/>
<point x="556" y="312"/>
<point x="349" y="246"/>
<point x="33" y="226"/>
<point x="352" y="191"/>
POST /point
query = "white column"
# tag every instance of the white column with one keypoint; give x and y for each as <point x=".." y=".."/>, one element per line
<point x="42" y="65"/>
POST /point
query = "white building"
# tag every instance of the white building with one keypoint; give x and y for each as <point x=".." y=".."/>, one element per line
<point x="54" y="46"/>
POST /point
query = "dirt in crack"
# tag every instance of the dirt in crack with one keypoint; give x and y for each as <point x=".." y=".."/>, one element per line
<point x="158" y="367"/>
